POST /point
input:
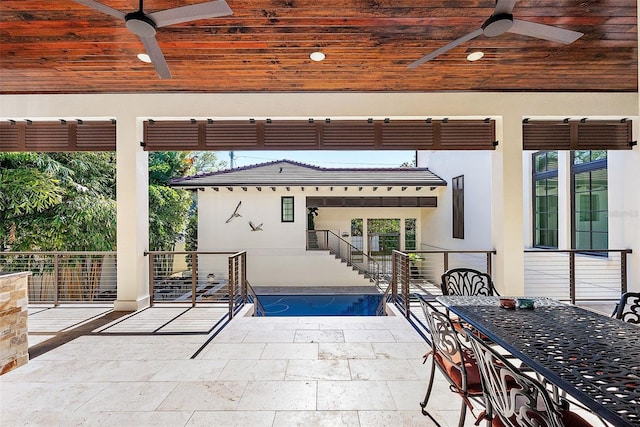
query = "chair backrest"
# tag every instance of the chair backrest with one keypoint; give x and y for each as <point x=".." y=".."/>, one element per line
<point x="515" y="398"/>
<point x="445" y="345"/>
<point x="628" y="308"/>
<point x="467" y="282"/>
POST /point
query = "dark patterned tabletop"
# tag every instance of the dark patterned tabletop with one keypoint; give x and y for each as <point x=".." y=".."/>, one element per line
<point x="592" y="357"/>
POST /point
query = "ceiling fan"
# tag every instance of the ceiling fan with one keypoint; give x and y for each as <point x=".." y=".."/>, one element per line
<point x="145" y="25"/>
<point x="502" y="21"/>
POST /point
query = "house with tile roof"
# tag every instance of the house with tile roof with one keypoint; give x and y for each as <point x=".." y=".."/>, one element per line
<point x="268" y="210"/>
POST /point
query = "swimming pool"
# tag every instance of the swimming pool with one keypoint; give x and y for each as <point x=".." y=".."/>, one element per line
<point x="321" y="304"/>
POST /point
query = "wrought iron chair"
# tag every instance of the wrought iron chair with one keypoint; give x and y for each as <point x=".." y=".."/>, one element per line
<point x="467" y="281"/>
<point x="628" y="308"/>
<point x="515" y="399"/>
<point x="453" y="359"/>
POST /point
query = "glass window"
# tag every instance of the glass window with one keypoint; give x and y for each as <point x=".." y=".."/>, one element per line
<point x="356" y="226"/>
<point x="545" y="199"/>
<point x="590" y="219"/>
<point x="545" y="161"/>
<point x="356" y="233"/>
<point x="588" y="156"/>
<point x="383" y="235"/>
<point x="458" y="206"/>
<point x="287" y="209"/>
<point x="410" y="234"/>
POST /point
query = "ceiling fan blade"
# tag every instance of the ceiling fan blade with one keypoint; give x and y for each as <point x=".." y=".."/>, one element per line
<point x="157" y="58"/>
<point x="545" y="32"/>
<point x="504" y="6"/>
<point x="101" y="8"/>
<point x="211" y="9"/>
<point x="446" y="48"/>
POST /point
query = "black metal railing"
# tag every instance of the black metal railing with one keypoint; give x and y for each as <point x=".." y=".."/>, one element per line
<point x="258" y="308"/>
<point x="381" y="310"/>
<point x="189" y="276"/>
<point x="401" y="282"/>
<point x="59" y="277"/>
<point x="431" y="264"/>
<point x="238" y="283"/>
<point x="201" y="277"/>
<point x="576" y="275"/>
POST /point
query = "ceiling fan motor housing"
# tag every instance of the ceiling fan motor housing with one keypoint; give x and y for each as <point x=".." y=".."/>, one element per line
<point x="140" y="24"/>
<point x="497" y="24"/>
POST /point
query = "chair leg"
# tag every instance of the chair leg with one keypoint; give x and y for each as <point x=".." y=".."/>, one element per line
<point x="423" y="404"/>
<point x="463" y="413"/>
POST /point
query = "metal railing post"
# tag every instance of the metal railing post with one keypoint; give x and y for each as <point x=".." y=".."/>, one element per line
<point x="623" y="271"/>
<point x="230" y="286"/>
<point x="194" y="278"/>
<point x="244" y="277"/>
<point x="394" y="277"/>
<point x="56" y="279"/>
<point x="405" y="279"/>
<point x="151" y="279"/>
<point x="572" y="277"/>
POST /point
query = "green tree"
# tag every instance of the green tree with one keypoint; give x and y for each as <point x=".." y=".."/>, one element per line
<point x="170" y="209"/>
<point x="66" y="201"/>
<point x="57" y="201"/>
<point x="206" y="161"/>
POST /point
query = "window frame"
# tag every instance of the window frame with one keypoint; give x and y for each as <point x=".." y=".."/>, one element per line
<point x="537" y="176"/>
<point x="457" y="206"/>
<point x="284" y="209"/>
<point x="591" y="166"/>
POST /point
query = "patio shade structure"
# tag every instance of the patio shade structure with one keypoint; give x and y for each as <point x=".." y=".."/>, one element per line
<point x="254" y="64"/>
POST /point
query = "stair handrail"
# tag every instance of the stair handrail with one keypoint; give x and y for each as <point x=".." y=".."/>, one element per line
<point x="401" y="279"/>
<point x="382" y="307"/>
<point x="258" y="308"/>
<point x="375" y="275"/>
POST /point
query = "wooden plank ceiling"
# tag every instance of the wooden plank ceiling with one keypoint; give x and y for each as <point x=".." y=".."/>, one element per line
<point x="63" y="47"/>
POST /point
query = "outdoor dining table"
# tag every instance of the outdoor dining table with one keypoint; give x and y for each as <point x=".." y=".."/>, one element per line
<point x="592" y="357"/>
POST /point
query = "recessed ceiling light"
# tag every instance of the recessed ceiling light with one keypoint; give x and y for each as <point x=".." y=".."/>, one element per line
<point x="474" y="56"/>
<point x="144" y="58"/>
<point x="317" y="56"/>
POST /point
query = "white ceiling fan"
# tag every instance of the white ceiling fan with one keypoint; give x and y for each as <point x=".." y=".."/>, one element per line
<point x="502" y="21"/>
<point x="145" y="25"/>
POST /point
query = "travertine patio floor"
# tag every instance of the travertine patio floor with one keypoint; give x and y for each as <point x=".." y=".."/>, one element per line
<point x="274" y="371"/>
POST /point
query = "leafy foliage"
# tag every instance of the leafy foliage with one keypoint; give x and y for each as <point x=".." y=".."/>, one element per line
<point x="57" y="201"/>
<point x="191" y="236"/>
<point x="66" y="201"/>
<point x="28" y="190"/>
<point x="206" y="161"/>
<point x="168" y="209"/>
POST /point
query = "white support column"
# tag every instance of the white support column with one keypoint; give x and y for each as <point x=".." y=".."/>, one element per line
<point x="564" y="199"/>
<point x="507" y="201"/>
<point x="132" y="194"/>
<point x="633" y="219"/>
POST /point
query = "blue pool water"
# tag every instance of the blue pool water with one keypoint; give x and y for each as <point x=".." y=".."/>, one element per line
<point x="321" y="304"/>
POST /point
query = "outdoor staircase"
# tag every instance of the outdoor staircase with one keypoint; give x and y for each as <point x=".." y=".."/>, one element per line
<point x="364" y="274"/>
<point x="312" y="242"/>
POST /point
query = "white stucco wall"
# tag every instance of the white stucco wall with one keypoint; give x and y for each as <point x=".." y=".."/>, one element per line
<point x="259" y="207"/>
<point x="508" y="109"/>
<point x="277" y="255"/>
<point x="542" y="275"/>
<point x="437" y="224"/>
<point x="548" y="273"/>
